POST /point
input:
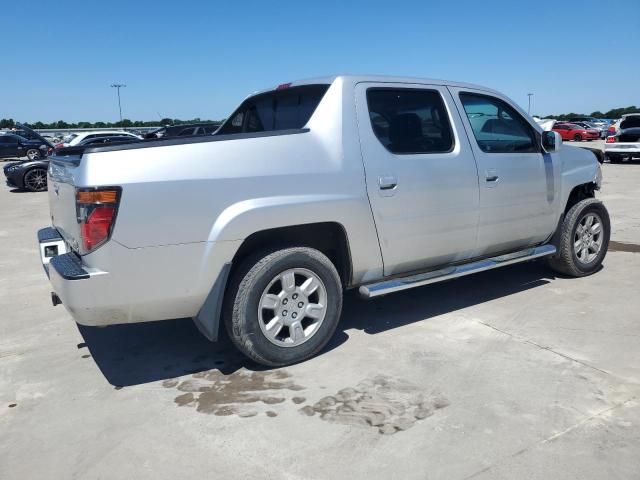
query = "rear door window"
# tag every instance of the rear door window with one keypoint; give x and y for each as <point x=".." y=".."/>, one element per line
<point x="497" y="127"/>
<point x="286" y="109"/>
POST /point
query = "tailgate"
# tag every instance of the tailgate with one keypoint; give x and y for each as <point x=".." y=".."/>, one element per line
<point x="62" y="198"/>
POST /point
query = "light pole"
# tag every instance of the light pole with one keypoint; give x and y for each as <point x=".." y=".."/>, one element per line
<point x="529" y="109"/>
<point x="118" y="86"/>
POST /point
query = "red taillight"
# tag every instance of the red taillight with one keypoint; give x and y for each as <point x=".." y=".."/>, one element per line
<point x="610" y="140"/>
<point x="96" y="210"/>
<point x="96" y="228"/>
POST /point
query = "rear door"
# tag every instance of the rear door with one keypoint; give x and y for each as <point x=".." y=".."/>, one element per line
<point x="517" y="187"/>
<point x="421" y="176"/>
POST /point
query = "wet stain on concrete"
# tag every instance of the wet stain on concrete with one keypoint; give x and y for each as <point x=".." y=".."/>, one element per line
<point x="12" y="405"/>
<point x="86" y="356"/>
<point x="298" y="400"/>
<point x="385" y="403"/>
<point x="624" y="247"/>
<point x="271" y="413"/>
<point x="239" y="393"/>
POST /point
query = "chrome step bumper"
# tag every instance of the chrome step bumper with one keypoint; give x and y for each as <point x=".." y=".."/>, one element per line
<point x="448" y="273"/>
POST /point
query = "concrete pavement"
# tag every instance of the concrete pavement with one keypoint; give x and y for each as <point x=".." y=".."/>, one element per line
<point x="508" y="374"/>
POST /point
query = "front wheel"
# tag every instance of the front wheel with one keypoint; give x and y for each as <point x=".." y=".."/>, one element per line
<point x="577" y="137"/>
<point x="584" y="239"/>
<point x="284" y="306"/>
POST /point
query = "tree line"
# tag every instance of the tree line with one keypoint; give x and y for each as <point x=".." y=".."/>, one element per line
<point x="614" y="113"/>
<point x="126" y="123"/>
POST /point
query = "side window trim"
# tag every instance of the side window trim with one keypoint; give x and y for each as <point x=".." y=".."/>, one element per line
<point x="533" y="133"/>
<point x="442" y="103"/>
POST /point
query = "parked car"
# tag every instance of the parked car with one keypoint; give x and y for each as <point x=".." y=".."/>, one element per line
<point x="352" y="182"/>
<point x="16" y="146"/>
<point x="625" y="144"/>
<point x="597" y="122"/>
<point x="602" y="131"/>
<point x="28" y="175"/>
<point x="571" y="131"/>
<point x="183" y="130"/>
<point x="76" y="138"/>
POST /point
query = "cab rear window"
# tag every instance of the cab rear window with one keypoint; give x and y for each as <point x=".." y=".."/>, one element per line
<point x="286" y="109"/>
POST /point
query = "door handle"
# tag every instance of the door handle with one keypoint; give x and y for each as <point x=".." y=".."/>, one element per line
<point x="387" y="182"/>
<point x="491" y="175"/>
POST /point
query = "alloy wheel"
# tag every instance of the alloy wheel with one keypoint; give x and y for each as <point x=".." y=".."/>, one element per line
<point x="292" y="307"/>
<point x="36" y="180"/>
<point x="587" y="240"/>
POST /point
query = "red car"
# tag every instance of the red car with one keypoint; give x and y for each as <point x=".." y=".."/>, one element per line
<point x="570" y="131"/>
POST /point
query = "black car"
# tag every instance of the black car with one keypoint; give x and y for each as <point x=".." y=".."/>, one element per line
<point x="16" y="146"/>
<point x="27" y="175"/>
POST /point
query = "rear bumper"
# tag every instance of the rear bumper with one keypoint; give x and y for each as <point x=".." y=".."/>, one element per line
<point x="614" y="150"/>
<point x="116" y="284"/>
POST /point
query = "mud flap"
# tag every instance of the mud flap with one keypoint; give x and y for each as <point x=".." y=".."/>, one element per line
<point x="208" y="318"/>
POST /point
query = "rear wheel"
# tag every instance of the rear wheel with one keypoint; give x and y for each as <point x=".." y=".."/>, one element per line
<point x="614" y="158"/>
<point x="35" y="180"/>
<point x="584" y="239"/>
<point x="283" y="306"/>
<point x="33" y="154"/>
<point x="577" y="137"/>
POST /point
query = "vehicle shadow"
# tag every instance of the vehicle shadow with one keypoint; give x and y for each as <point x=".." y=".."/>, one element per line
<point x="140" y="353"/>
<point x="423" y="303"/>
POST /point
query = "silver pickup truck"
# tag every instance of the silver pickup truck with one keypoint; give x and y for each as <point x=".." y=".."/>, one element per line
<point x="308" y="189"/>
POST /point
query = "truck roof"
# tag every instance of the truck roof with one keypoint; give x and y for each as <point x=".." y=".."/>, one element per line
<point x="328" y="80"/>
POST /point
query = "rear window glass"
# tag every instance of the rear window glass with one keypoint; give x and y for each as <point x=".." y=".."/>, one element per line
<point x="630" y="122"/>
<point x="277" y="110"/>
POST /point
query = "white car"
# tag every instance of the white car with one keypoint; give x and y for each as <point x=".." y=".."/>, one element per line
<point x="625" y="144"/>
<point x="75" y="138"/>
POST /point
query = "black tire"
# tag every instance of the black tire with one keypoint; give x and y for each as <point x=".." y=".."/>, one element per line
<point x="35" y="180"/>
<point x="614" y="158"/>
<point x="241" y="310"/>
<point x="566" y="260"/>
<point x="33" y="154"/>
<point x="577" y="137"/>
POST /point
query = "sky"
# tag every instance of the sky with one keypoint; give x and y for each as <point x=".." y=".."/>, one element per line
<point x="201" y="58"/>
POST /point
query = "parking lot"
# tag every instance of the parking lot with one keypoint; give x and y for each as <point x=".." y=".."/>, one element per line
<point x="511" y="374"/>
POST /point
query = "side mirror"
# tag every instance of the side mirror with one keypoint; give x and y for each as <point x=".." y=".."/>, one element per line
<point x="551" y="141"/>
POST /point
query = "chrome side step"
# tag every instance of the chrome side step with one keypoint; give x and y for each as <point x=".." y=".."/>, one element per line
<point x="404" y="283"/>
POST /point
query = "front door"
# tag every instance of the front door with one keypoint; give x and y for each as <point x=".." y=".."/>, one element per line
<point x="421" y="175"/>
<point x="518" y="191"/>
